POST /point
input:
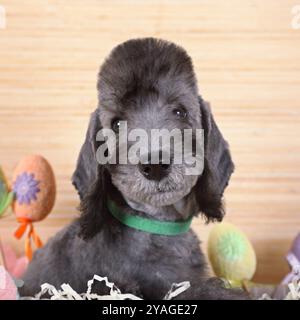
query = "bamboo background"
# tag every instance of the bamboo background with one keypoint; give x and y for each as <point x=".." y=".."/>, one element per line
<point x="247" y="59"/>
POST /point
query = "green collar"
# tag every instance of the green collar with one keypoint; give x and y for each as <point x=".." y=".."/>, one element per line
<point x="166" y="228"/>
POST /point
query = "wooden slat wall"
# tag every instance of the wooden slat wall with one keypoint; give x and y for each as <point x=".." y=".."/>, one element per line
<point x="247" y="59"/>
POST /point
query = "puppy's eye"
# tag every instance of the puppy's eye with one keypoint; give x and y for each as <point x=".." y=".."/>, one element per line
<point x="180" y="113"/>
<point x="115" y="124"/>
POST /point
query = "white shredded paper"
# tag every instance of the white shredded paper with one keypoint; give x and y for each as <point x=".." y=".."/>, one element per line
<point x="293" y="291"/>
<point x="67" y="293"/>
<point x="294" y="288"/>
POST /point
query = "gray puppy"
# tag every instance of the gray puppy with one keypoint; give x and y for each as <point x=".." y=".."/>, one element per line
<point x="149" y="83"/>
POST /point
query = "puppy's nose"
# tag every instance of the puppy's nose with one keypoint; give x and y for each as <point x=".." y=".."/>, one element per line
<point x="154" y="171"/>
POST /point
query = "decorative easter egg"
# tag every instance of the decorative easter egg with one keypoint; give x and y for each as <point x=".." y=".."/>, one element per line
<point x="293" y="258"/>
<point x="231" y="254"/>
<point x="34" y="188"/>
<point x="16" y="266"/>
<point x="8" y="289"/>
<point x="6" y="197"/>
<point x="295" y="249"/>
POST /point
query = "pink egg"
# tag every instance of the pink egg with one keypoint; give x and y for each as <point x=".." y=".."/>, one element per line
<point x="16" y="266"/>
<point x="8" y="289"/>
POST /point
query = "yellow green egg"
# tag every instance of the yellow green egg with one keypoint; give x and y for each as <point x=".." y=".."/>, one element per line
<point x="231" y="254"/>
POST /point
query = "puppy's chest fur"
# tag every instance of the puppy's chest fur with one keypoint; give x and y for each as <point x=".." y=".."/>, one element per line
<point x="137" y="262"/>
<point x="140" y="257"/>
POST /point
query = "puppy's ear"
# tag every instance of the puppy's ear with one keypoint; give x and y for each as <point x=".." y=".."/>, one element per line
<point x="92" y="182"/>
<point x="218" y="168"/>
<point x="86" y="169"/>
<point x="93" y="207"/>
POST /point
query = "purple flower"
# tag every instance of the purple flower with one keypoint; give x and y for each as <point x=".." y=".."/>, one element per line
<point x="25" y="188"/>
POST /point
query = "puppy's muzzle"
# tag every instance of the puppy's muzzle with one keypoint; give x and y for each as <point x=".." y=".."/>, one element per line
<point x="156" y="171"/>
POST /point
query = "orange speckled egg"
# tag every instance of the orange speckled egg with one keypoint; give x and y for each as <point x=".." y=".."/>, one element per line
<point x="34" y="188"/>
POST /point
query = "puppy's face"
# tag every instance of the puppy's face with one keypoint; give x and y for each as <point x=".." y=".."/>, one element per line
<point x="150" y="85"/>
<point x="157" y="184"/>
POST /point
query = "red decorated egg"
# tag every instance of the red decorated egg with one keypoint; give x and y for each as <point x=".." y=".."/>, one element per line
<point x="34" y="188"/>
